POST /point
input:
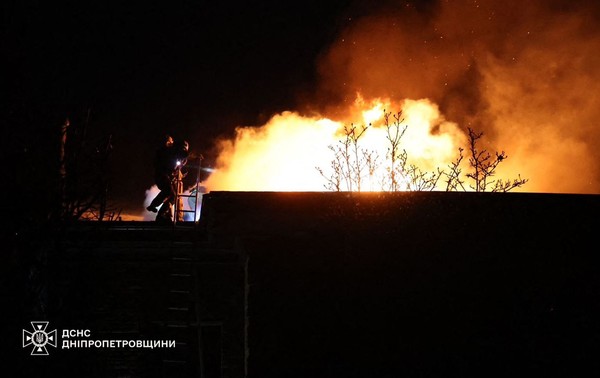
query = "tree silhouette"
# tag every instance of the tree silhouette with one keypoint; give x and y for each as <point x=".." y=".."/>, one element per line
<point x="351" y="161"/>
<point x="484" y="168"/>
<point x="83" y="175"/>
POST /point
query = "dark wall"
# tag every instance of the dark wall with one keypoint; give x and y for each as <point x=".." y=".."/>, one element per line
<point x="416" y="284"/>
<point x="127" y="281"/>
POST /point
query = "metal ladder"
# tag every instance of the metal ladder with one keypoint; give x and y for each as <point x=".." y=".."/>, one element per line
<point x="180" y="211"/>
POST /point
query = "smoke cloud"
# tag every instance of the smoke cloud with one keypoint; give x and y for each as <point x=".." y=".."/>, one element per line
<point x="527" y="74"/>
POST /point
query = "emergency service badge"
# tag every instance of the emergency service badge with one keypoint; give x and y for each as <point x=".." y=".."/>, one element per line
<point x="39" y="338"/>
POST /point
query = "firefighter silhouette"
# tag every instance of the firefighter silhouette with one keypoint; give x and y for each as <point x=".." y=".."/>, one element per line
<point x="169" y="160"/>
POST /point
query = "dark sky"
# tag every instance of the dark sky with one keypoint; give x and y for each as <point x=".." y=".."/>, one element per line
<point x="140" y="69"/>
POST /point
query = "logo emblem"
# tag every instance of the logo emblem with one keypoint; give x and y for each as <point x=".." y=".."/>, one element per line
<point x="39" y="338"/>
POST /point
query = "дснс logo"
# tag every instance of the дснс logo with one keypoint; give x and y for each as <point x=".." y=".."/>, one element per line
<point x="39" y="338"/>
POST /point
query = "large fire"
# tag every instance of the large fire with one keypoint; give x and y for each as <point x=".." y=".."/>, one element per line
<point x="525" y="74"/>
<point x="284" y="154"/>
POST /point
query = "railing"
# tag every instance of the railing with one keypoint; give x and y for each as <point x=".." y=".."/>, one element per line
<point x="180" y="211"/>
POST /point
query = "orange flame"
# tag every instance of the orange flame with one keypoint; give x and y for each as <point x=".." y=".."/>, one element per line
<point x="526" y="74"/>
<point x="283" y="154"/>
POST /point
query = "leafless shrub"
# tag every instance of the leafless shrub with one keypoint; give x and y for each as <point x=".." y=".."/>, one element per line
<point x="352" y="164"/>
<point x="484" y="168"/>
<point x="84" y="176"/>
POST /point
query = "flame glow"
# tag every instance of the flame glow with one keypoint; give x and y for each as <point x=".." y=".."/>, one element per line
<point x="526" y="74"/>
<point x="283" y="154"/>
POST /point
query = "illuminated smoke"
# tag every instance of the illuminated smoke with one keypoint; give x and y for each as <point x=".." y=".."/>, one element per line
<point x="527" y="74"/>
<point x="188" y="204"/>
<point x="150" y="194"/>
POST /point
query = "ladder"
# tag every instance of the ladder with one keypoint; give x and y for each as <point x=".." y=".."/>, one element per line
<point x="180" y="211"/>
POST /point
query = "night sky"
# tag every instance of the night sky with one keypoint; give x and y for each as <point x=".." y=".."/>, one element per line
<point x="139" y="69"/>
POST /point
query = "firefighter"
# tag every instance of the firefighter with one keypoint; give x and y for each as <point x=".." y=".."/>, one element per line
<point x="169" y="161"/>
<point x="164" y="164"/>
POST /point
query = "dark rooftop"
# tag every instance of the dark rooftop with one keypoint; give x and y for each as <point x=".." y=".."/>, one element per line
<point x="325" y="285"/>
